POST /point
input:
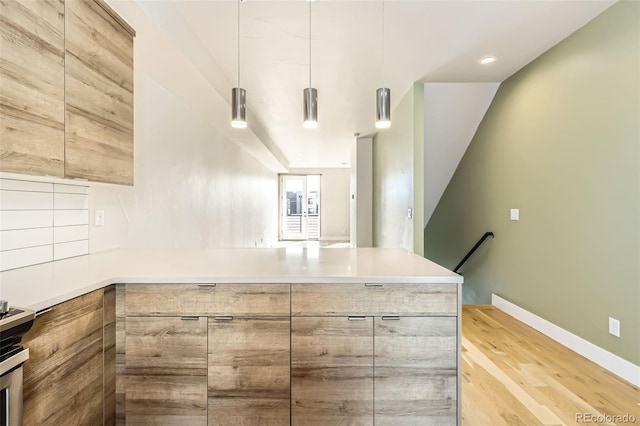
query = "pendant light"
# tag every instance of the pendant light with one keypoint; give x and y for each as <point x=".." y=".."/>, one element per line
<point x="383" y="94"/>
<point x="310" y="95"/>
<point x="238" y="94"/>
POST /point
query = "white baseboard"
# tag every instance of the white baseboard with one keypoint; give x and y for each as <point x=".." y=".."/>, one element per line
<point x="607" y="360"/>
<point x="340" y="238"/>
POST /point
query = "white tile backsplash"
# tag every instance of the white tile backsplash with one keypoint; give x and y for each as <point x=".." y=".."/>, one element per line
<point x="70" y="189"/>
<point x="25" y="200"/>
<point x="23" y="185"/>
<point x="11" y="259"/>
<point x="70" y="217"/>
<point x="63" y="234"/>
<point x="23" y="238"/>
<point x="42" y="222"/>
<point x="18" y="219"/>
<point x="70" y="201"/>
<point x="71" y="249"/>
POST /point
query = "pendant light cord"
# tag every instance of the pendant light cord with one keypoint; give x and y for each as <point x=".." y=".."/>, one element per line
<point x="382" y="42"/>
<point x="310" y="43"/>
<point x="238" y="43"/>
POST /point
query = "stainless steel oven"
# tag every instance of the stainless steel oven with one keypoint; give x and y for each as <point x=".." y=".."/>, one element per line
<point x="11" y="389"/>
<point x="14" y="323"/>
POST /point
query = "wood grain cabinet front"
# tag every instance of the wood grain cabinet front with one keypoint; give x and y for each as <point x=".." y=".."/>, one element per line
<point x="246" y="300"/>
<point x="32" y="87"/>
<point x="66" y="90"/>
<point x="332" y="371"/>
<point x="248" y="370"/>
<point x="67" y="380"/>
<point x="415" y="371"/>
<point x="166" y="371"/>
<point x="98" y="93"/>
<point x="373" y="299"/>
<point x="249" y="357"/>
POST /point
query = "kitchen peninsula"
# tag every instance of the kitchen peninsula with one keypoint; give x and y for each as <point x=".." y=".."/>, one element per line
<point x="243" y="336"/>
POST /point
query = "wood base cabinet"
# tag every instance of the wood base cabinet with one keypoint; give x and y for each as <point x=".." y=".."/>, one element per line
<point x="67" y="379"/>
<point x="393" y="360"/>
<point x="204" y="354"/>
<point x="415" y="369"/>
<point x="332" y="371"/>
<point x="250" y="354"/>
<point x="166" y="371"/>
<point x="248" y="371"/>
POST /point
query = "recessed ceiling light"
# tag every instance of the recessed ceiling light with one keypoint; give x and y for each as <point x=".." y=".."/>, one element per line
<point x="487" y="60"/>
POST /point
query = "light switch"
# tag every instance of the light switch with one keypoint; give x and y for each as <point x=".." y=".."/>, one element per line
<point x="410" y="214"/>
<point x="515" y="214"/>
<point x="99" y="218"/>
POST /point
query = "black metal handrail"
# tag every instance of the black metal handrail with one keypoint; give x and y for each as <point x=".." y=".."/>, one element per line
<point x="473" y="250"/>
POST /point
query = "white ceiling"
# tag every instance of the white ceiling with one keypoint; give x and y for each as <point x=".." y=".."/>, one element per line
<point x="430" y="41"/>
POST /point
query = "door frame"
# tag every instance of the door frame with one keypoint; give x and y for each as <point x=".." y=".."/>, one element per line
<point x="304" y="234"/>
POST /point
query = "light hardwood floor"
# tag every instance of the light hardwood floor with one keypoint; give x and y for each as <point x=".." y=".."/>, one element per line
<point x="514" y="375"/>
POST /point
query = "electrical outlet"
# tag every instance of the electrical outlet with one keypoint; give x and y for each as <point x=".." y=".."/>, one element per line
<point x="614" y="327"/>
<point x="410" y="214"/>
<point x="98" y="219"/>
<point x="515" y="214"/>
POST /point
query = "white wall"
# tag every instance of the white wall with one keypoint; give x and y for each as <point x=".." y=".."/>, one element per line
<point x="334" y="202"/>
<point x="393" y="182"/>
<point x="193" y="186"/>
<point x="452" y="113"/>
<point x="362" y="193"/>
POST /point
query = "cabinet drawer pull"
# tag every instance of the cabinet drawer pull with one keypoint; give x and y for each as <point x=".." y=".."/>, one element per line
<point x="390" y="318"/>
<point x="223" y="317"/>
<point x="43" y="311"/>
<point x="373" y="285"/>
<point x="189" y="318"/>
<point x="356" y="318"/>
<point x="207" y="285"/>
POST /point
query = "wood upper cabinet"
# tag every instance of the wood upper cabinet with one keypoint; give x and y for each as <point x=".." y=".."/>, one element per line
<point x="63" y="378"/>
<point x="166" y="371"/>
<point x="99" y="94"/>
<point x="331" y="371"/>
<point x="248" y="371"/>
<point x="32" y="87"/>
<point x="415" y="371"/>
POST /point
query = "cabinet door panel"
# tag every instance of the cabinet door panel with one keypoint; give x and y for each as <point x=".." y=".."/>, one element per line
<point x="99" y="95"/>
<point x="248" y="372"/>
<point x="331" y="371"/>
<point x="247" y="300"/>
<point x="32" y="87"/>
<point x="362" y="299"/>
<point x="166" y="371"/>
<point x="63" y="379"/>
<point x="415" y="371"/>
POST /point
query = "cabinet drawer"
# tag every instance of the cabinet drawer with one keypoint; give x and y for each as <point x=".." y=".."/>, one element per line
<point x="374" y="299"/>
<point x="207" y="299"/>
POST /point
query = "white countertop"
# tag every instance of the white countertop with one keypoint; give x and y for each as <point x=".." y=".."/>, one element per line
<point x="41" y="286"/>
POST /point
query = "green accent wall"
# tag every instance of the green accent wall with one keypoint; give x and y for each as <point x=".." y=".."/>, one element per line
<point x="398" y="176"/>
<point x="561" y="142"/>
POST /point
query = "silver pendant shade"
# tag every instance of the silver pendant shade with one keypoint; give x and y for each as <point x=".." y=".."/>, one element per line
<point x="310" y="100"/>
<point x="238" y="108"/>
<point x="383" y="108"/>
